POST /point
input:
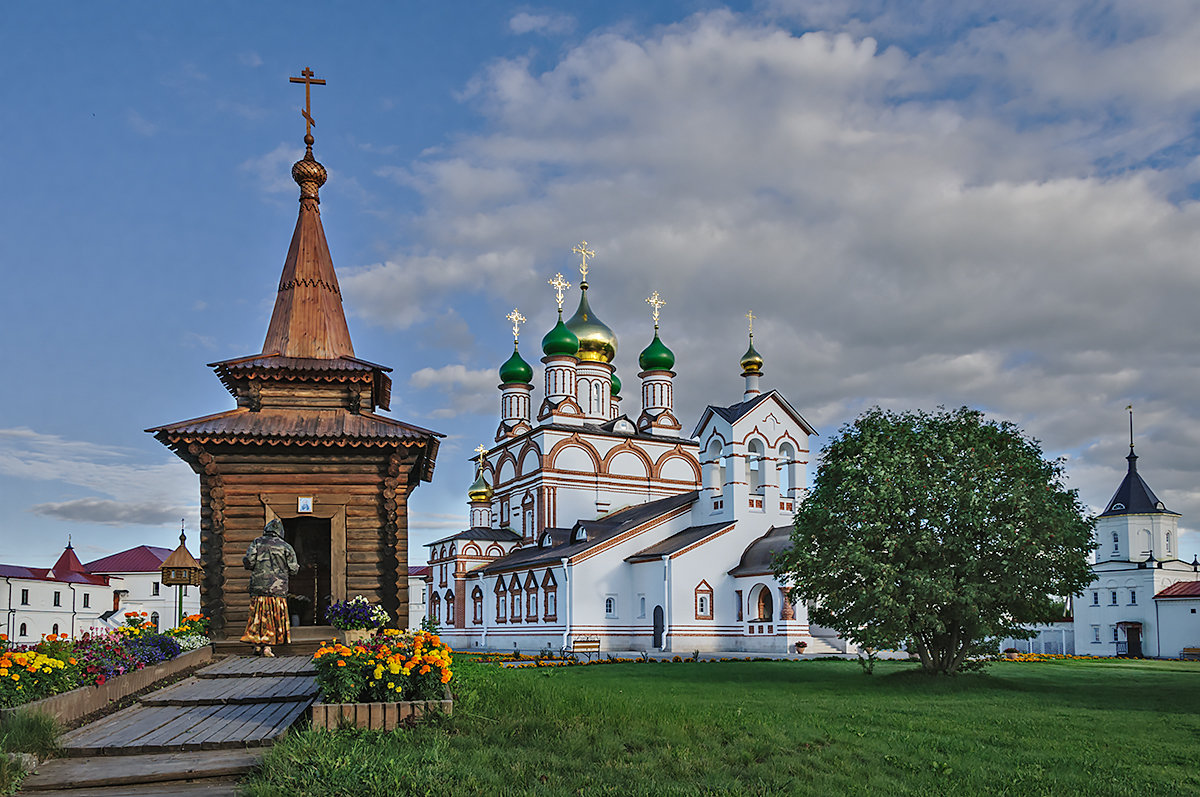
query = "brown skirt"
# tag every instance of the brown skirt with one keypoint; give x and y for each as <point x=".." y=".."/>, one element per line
<point x="268" y="623"/>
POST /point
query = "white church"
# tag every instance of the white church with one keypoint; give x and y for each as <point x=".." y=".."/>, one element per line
<point x="1143" y="599"/>
<point x="595" y="526"/>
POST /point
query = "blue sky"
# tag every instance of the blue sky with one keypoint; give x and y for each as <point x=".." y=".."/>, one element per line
<point x="981" y="205"/>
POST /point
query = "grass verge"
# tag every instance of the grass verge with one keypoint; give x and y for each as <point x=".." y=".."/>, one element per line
<point x="24" y="732"/>
<point x="814" y="727"/>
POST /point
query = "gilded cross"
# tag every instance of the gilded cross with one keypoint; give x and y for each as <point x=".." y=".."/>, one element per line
<point x="309" y="81"/>
<point x="480" y="450"/>
<point x="584" y="253"/>
<point x="656" y="302"/>
<point x="559" y="285"/>
<point x="517" y="319"/>
<point x="750" y="315"/>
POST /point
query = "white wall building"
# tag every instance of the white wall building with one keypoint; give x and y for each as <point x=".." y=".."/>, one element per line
<point x="587" y="523"/>
<point x="71" y="597"/>
<point x="1137" y="559"/>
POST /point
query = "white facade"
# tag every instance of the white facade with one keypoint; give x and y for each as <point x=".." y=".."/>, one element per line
<point x="1136" y="559"/>
<point x="1179" y="624"/>
<point x="36" y="606"/>
<point x="1050" y="639"/>
<point x="595" y="527"/>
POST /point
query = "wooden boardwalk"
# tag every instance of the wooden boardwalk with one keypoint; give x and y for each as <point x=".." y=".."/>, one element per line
<point x="187" y="730"/>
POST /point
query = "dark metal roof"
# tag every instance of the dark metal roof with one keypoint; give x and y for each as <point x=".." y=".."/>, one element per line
<point x="735" y="412"/>
<point x="479" y="533"/>
<point x="677" y="542"/>
<point x="46" y="574"/>
<point x="142" y="559"/>
<point x="1134" y="496"/>
<point x="598" y="531"/>
<point x="756" y="559"/>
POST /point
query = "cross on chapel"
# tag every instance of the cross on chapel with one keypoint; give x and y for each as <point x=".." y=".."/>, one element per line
<point x="309" y="81"/>
<point x="584" y="253"/>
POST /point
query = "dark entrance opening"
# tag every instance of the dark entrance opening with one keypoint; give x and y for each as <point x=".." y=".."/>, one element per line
<point x="1133" y="640"/>
<point x="309" y="590"/>
<point x="658" y="627"/>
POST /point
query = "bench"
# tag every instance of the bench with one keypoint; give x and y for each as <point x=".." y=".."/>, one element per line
<point x="587" y="645"/>
<point x="1190" y="653"/>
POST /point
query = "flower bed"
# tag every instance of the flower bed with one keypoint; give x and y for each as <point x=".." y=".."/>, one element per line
<point x="390" y="679"/>
<point x="57" y="664"/>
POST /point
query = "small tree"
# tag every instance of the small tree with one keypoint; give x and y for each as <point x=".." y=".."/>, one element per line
<point x="940" y="530"/>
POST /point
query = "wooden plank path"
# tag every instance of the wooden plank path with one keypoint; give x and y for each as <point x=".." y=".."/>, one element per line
<point x="201" y="727"/>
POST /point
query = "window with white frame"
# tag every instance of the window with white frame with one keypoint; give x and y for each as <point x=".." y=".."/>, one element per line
<point x="154" y="587"/>
<point x="87" y="601"/>
<point x="1115" y="637"/>
<point x="1133" y="597"/>
<point x="1168" y="542"/>
<point x="704" y="596"/>
<point x="610" y="606"/>
<point x="1116" y="542"/>
<point x="1113" y="595"/>
<point x="24" y="597"/>
<point x="58" y="599"/>
<point x="501" y="601"/>
<point x="1095" y="598"/>
<point x="1095" y="633"/>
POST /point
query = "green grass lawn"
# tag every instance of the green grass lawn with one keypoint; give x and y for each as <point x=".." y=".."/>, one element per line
<point x="818" y="727"/>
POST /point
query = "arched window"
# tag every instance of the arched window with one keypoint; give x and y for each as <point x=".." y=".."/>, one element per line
<point x="54" y="629"/>
<point x="477" y="606"/>
<point x="501" y="601"/>
<point x="550" y="597"/>
<point x="435" y="607"/>
<point x="610" y="607"/>
<point x="1116" y="542"/>
<point x="1168" y="542"/>
<point x="596" y="394"/>
<point x="754" y="467"/>
<point x="514" y="599"/>
<point x="787" y="471"/>
<point x="154" y="620"/>
<point x="531" y="601"/>
<point x="642" y="606"/>
<point x="450" y="607"/>
<point x="704" y="601"/>
<point x="24" y="630"/>
<point x="713" y="478"/>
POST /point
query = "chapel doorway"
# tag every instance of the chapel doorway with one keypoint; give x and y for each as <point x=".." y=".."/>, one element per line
<point x="658" y="627"/>
<point x="310" y="589"/>
<point x="765" y="606"/>
<point x="1133" y="640"/>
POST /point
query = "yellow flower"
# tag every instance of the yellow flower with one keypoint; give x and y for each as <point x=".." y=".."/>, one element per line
<point x="391" y="685"/>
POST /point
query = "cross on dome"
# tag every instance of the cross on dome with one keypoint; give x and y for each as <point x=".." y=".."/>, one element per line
<point x="517" y="319"/>
<point x="584" y="253"/>
<point x="750" y="315"/>
<point x="560" y="285"/>
<point x="655" y="301"/>
<point x="309" y="81"/>
<point x="480" y="450"/>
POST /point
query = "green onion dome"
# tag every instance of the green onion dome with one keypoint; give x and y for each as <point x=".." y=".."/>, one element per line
<point x="480" y="490"/>
<point x="616" y="384"/>
<point x="515" y="371"/>
<point x="656" y="356"/>
<point x="752" y="361"/>
<point x="560" y="340"/>
<point x="597" y="342"/>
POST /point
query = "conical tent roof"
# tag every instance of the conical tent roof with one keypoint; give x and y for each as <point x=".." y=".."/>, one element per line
<point x="1134" y="496"/>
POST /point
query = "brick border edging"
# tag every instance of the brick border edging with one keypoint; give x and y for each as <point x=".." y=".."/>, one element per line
<point x="70" y="706"/>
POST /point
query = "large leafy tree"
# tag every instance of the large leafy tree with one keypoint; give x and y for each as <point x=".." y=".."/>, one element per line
<point x="936" y="530"/>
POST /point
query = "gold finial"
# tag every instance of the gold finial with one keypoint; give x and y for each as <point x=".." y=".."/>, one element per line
<point x="656" y="302"/>
<point x="1129" y="408"/>
<point x="517" y="319"/>
<point x="559" y="284"/>
<point x="309" y="81"/>
<point x="584" y="253"/>
<point x="480" y="450"/>
<point x="750" y="315"/>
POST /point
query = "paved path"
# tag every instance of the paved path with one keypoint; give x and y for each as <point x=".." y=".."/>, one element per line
<point x="200" y="732"/>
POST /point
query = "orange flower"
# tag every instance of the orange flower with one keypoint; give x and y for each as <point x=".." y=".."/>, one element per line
<point x="341" y="663"/>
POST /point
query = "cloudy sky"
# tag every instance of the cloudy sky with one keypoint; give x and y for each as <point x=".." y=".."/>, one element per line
<point x="924" y="203"/>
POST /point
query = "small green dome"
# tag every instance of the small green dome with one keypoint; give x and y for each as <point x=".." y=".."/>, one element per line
<point x="480" y="490"/>
<point x="656" y="356"/>
<point x="752" y="361"/>
<point x="515" y="371"/>
<point x="560" y="340"/>
<point x="616" y="384"/>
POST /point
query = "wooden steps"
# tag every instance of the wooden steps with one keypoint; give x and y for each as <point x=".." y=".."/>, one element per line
<point x="108" y="774"/>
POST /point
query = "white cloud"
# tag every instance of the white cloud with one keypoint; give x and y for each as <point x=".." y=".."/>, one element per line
<point x="465" y="390"/>
<point x="546" y="24"/>
<point x="140" y="124"/>
<point x="133" y="492"/>
<point x="273" y="170"/>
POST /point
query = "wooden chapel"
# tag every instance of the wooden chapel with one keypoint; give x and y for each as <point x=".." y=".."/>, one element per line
<point x="305" y="444"/>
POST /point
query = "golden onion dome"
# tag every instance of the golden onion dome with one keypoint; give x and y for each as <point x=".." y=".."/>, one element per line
<point x="752" y="361"/>
<point x="597" y="342"/>
<point x="480" y="490"/>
